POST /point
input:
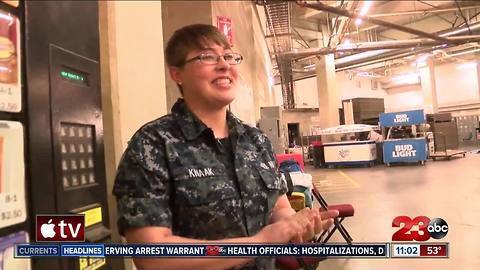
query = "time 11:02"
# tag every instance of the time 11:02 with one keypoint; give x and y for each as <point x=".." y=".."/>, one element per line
<point x="407" y="250"/>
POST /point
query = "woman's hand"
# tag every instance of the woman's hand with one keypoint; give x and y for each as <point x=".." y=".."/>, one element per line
<point x="323" y="219"/>
<point x="293" y="228"/>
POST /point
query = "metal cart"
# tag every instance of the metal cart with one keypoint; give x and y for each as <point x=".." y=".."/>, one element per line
<point x="443" y="152"/>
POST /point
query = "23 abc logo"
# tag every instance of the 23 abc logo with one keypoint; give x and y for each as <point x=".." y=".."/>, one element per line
<point x="435" y="228"/>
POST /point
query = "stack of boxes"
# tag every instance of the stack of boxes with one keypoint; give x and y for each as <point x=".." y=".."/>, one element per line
<point x="445" y="130"/>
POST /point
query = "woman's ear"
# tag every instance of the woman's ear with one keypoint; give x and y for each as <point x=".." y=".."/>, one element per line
<point x="175" y="74"/>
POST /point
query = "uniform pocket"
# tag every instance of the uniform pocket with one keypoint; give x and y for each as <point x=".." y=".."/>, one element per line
<point x="270" y="179"/>
<point x="274" y="189"/>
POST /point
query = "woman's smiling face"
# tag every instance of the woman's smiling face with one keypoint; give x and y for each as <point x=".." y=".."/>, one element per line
<point x="214" y="84"/>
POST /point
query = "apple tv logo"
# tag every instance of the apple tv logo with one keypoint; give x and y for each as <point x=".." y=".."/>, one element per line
<point x="60" y="228"/>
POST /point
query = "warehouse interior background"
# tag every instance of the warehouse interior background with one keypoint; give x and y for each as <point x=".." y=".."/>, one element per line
<point x="315" y="75"/>
<point x="305" y="61"/>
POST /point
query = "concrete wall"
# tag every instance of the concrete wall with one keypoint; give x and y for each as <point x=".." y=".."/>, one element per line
<point x="136" y="77"/>
<point x="175" y="15"/>
<point x="133" y="82"/>
<point x="456" y="83"/>
<point x="357" y="87"/>
<point x="404" y="98"/>
<point x="305" y="120"/>
<point x="248" y="39"/>
<point x="306" y="93"/>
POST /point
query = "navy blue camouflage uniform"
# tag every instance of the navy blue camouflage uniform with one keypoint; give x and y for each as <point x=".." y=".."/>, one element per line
<point x="175" y="174"/>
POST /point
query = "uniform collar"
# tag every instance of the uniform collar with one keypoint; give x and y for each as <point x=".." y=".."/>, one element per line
<point x="235" y="125"/>
<point x="192" y="127"/>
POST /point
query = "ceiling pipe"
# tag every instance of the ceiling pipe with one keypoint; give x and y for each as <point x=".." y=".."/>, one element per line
<point x="460" y="30"/>
<point x="421" y="12"/>
<point x="391" y="53"/>
<point x="380" y="45"/>
<point x="342" y="12"/>
<point x="306" y="75"/>
<point x="374" y="60"/>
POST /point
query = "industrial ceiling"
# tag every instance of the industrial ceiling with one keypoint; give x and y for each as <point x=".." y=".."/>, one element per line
<point x="365" y="36"/>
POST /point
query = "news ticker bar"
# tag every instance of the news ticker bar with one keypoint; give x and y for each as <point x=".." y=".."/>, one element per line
<point x="377" y="250"/>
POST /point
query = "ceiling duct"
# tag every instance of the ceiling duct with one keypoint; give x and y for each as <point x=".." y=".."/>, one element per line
<point x="379" y="45"/>
<point x="381" y="51"/>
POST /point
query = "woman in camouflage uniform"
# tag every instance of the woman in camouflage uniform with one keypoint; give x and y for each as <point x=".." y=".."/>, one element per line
<point x="199" y="174"/>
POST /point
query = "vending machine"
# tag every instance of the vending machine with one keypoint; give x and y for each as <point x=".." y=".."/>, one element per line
<point x="51" y="129"/>
<point x="65" y="137"/>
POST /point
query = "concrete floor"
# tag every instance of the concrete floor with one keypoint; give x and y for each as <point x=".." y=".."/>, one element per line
<point x="449" y="189"/>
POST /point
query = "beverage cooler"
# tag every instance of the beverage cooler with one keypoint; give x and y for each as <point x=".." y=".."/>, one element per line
<point x="51" y="129"/>
<point x="352" y="149"/>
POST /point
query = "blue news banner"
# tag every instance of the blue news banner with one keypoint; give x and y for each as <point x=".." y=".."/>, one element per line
<point x="211" y="250"/>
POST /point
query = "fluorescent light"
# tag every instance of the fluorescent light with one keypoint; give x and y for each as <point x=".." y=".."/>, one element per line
<point x="363" y="11"/>
<point x="309" y="66"/>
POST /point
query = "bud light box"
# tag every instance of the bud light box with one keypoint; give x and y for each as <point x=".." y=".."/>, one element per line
<point x="406" y="118"/>
<point x="405" y="150"/>
<point x="402" y="144"/>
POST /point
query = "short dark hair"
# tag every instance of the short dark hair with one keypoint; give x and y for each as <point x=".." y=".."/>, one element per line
<point x="192" y="37"/>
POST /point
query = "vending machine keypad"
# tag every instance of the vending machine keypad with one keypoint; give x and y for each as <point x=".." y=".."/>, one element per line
<point x="77" y="154"/>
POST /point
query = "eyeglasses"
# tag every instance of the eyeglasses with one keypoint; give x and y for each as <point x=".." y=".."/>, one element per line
<point x="213" y="59"/>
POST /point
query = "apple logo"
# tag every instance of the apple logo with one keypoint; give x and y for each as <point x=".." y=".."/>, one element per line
<point x="47" y="230"/>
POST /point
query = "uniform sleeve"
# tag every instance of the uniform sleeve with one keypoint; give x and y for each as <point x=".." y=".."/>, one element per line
<point x="142" y="187"/>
